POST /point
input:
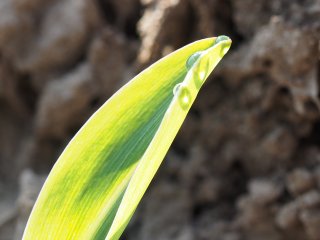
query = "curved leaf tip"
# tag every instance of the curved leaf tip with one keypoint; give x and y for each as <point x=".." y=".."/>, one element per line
<point x="99" y="179"/>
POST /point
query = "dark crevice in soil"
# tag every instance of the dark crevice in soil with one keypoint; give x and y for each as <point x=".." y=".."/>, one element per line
<point x="285" y="197"/>
<point x="311" y="106"/>
<point x="130" y="25"/>
<point x="27" y="93"/>
<point x="180" y="150"/>
<point x="127" y="24"/>
<point x="313" y="139"/>
<point x="223" y="211"/>
<point x="318" y="76"/>
<point x="238" y="180"/>
<point x="284" y="91"/>
<point x="191" y="24"/>
<point x="49" y="147"/>
<point x="226" y="17"/>
<point x="195" y="113"/>
<point x="107" y="11"/>
<point x="95" y="103"/>
<point x="199" y="209"/>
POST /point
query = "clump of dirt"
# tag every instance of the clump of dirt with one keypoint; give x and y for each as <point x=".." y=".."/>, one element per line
<point x="246" y="163"/>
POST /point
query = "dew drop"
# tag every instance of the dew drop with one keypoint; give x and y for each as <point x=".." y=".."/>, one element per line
<point x="183" y="94"/>
<point x="222" y="38"/>
<point x="200" y="73"/>
<point x="192" y="59"/>
<point x="225" y="45"/>
<point x="184" y="97"/>
<point x="176" y="89"/>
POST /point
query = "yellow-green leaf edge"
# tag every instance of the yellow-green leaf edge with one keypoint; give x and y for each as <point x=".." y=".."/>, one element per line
<point x="99" y="179"/>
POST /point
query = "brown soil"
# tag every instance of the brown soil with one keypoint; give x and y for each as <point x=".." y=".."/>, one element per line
<point x="246" y="163"/>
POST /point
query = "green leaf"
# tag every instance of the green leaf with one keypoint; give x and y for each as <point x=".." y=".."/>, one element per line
<point x="99" y="179"/>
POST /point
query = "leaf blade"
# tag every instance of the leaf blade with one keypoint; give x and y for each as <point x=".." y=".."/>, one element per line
<point x="84" y="189"/>
<point x="167" y="130"/>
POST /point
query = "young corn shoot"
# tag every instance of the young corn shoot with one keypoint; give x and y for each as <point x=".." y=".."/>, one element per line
<point x="99" y="179"/>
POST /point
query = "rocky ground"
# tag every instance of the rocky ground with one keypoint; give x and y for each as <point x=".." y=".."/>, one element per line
<point x="246" y="163"/>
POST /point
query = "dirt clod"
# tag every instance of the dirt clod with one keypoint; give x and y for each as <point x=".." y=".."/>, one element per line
<point x="246" y="163"/>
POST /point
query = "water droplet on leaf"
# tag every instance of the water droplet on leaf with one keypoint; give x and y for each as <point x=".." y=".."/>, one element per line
<point x="200" y="73"/>
<point x="192" y="59"/>
<point x="183" y="94"/>
<point x="221" y="38"/>
<point x="184" y="98"/>
<point x="225" y="45"/>
<point x="176" y="88"/>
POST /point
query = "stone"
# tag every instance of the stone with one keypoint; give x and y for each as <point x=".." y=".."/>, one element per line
<point x="309" y="199"/>
<point x="159" y="21"/>
<point x="108" y="54"/>
<point x="264" y="191"/>
<point x="311" y="220"/>
<point x="66" y="101"/>
<point x="287" y="217"/>
<point x="299" y="181"/>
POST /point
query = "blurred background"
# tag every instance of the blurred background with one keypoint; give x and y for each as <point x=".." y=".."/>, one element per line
<point x="246" y="163"/>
